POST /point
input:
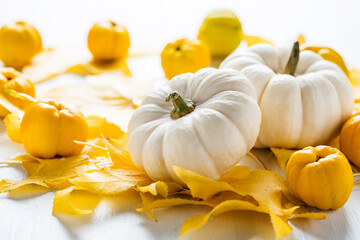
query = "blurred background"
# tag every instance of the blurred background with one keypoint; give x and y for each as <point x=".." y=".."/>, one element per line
<point x="154" y="23"/>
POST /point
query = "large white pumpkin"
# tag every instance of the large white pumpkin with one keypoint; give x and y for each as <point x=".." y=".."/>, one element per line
<point x="298" y="110"/>
<point x="209" y="139"/>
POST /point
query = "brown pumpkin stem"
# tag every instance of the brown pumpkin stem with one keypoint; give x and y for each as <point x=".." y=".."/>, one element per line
<point x="181" y="107"/>
<point x="293" y="59"/>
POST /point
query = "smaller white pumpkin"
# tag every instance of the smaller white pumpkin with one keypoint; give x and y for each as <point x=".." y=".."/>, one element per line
<point x="303" y="105"/>
<point x="211" y="123"/>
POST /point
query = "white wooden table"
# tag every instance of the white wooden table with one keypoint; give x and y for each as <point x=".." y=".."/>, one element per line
<point x="152" y="24"/>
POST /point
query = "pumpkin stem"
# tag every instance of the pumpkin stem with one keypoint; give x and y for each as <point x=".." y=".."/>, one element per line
<point x="181" y="107"/>
<point x="293" y="59"/>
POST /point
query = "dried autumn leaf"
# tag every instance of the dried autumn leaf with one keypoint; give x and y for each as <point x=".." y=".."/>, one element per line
<point x="54" y="173"/>
<point x="90" y="101"/>
<point x="7" y="107"/>
<point x="252" y="40"/>
<point x="172" y="202"/>
<point x="354" y="76"/>
<point x="147" y="199"/>
<point x="301" y="39"/>
<point x="100" y="127"/>
<point x="281" y="227"/>
<point x="75" y="59"/>
<point x="156" y="188"/>
<point x="328" y="54"/>
<point x="282" y="156"/>
<point x="202" y="187"/>
<point x="8" y="185"/>
<point x="12" y="124"/>
<point x="74" y="201"/>
<point x="102" y="182"/>
<point x="258" y="190"/>
<point x="121" y="176"/>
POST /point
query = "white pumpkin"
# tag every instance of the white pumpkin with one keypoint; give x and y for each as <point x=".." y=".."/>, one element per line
<point x="208" y="135"/>
<point x="299" y="110"/>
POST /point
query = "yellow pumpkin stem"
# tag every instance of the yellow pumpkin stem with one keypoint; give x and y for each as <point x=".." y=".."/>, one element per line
<point x="181" y="107"/>
<point x="293" y="59"/>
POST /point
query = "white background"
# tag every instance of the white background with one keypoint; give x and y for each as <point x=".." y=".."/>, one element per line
<point x="152" y="24"/>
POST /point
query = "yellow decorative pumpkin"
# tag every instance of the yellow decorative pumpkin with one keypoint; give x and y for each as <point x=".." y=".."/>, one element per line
<point x="19" y="43"/>
<point x="49" y="128"/>
<point x="320" y="176"/>
<point x="12" y="79"/>
<point x="108" y="41"/>
<point x="184" y="56"/>
<point x="350" y="139"/>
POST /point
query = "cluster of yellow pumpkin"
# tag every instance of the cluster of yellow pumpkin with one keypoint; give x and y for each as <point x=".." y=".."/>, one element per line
<point x="320" y="176"/>
<point x="49" y="128"/>
<point x="20" y="42"/>
<point x="219" y="35"/>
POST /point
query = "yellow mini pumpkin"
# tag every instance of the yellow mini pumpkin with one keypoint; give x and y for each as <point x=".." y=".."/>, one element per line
<point x="19" y="43"/>
<point x="12" y="79"/>
<point x="49" y="128"/>
<point x="184" y="56"/>
<point x="350" y="139"/>
<point x="108" y="41"/>
<point x="320" y="176"/>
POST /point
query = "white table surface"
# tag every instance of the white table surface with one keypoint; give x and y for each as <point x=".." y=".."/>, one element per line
<point x="153" y="24"/>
